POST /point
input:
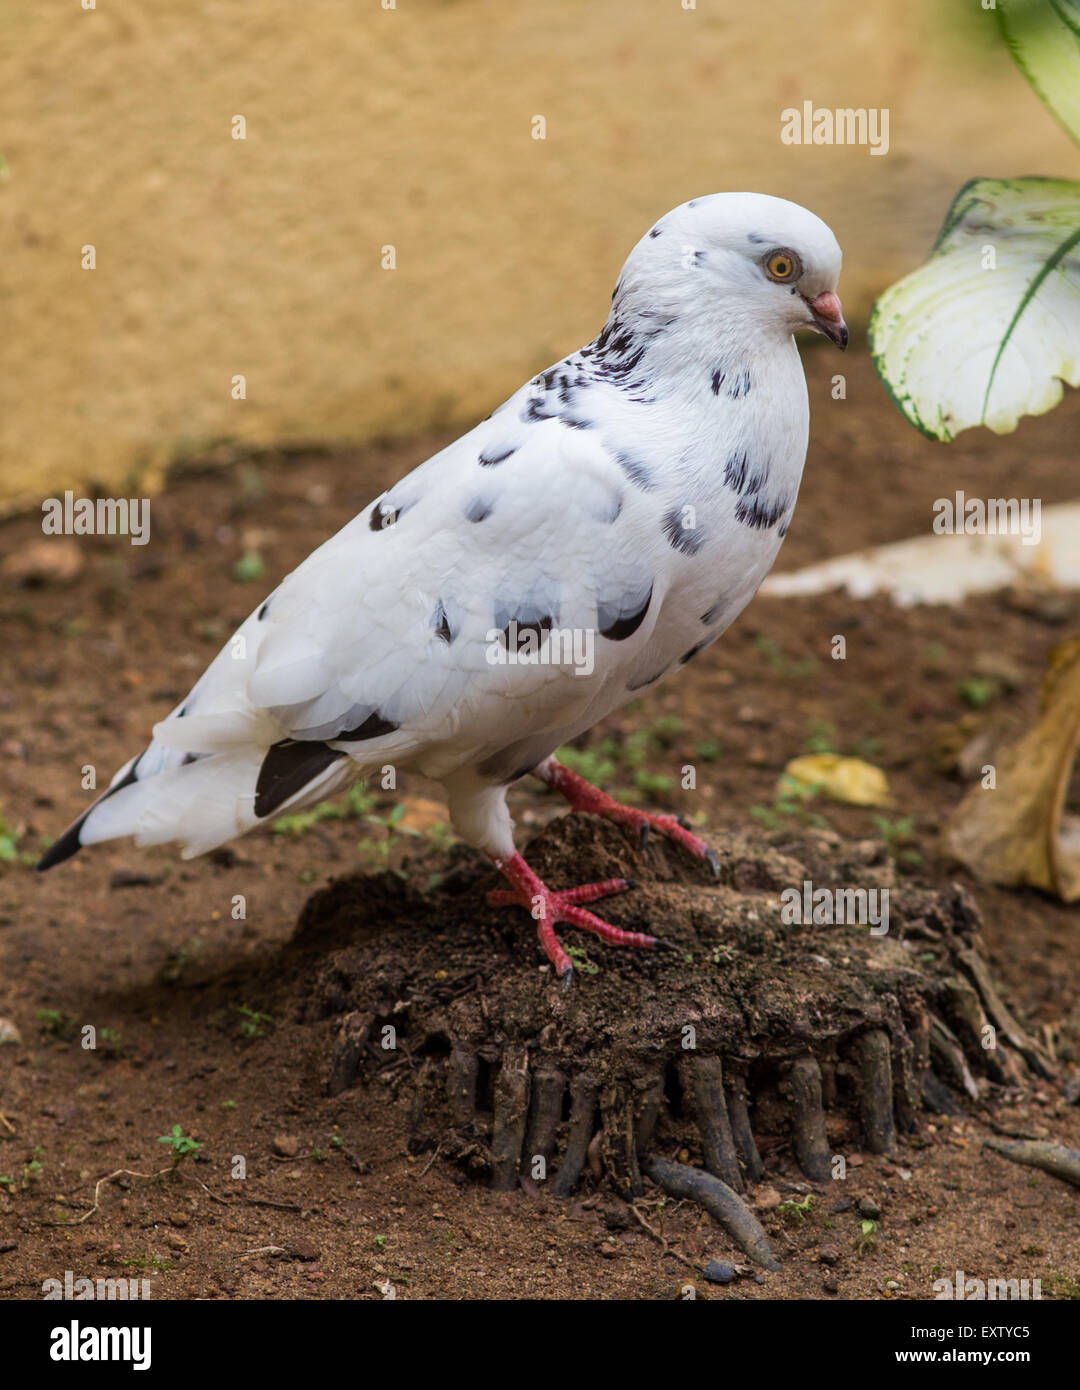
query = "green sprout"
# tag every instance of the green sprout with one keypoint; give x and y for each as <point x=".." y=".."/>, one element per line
<point x="896" y="835"/>
<point x="53" y="1022"/>
<point x="249" y="567"/>
<point x="790" y="802"/>
<point x="181" y="1144"/>
<point x="251" y="1024"/>
<point x="356" y="804"/>
<point x="977" y="692"/>
<point x="579" y="958"/>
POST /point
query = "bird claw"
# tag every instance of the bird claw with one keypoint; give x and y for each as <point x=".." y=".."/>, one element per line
<point x="549" y="907"/>
<point x="583" y="796"/>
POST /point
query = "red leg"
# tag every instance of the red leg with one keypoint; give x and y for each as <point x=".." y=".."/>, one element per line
<point x="549" y="907"/>
<point x="583" y="796"/>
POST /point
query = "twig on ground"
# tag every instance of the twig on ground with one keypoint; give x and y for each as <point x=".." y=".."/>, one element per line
<point x="120" y="1173"/>
<point x="225" y="1201"/>
<point x="665" y="1247"/>
<point x="427" y="1166"/>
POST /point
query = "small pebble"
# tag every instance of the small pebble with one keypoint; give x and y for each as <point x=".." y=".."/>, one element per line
<point x="868" y="1207"/>
<point x="719" y="1272"/>
<point x="828" y="1254"/>
<point x="132" y="878"/>
<point x="831" y="1284"/>
<point x="286" y="1145"/>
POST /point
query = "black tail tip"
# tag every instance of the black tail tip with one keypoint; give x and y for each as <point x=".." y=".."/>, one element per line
<point x="61" y="849"/>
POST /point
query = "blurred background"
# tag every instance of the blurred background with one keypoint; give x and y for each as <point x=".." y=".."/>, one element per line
<point x="412" y="128"/>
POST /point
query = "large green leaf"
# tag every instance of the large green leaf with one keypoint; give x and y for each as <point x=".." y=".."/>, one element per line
<point x="989" y="328"/>
<point x="1044" y="38"/>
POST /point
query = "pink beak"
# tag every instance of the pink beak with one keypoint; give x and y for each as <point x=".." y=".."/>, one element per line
<point x="829" y="317"/>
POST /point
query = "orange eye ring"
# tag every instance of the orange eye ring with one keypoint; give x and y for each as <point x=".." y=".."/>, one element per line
<point x="782" y="265"/>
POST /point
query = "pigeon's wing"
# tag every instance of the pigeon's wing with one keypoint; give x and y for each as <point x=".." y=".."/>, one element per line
<point x="483" y="604"/>
<point x="493" y="592"/>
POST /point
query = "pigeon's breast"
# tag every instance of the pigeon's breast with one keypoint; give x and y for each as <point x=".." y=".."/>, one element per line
<point x="718" y="520"/>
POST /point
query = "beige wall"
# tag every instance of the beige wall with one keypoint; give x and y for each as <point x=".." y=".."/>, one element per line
<point x="412" y="127"/>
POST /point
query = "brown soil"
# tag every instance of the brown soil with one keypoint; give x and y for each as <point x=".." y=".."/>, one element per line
<point x="347" y="1191"/>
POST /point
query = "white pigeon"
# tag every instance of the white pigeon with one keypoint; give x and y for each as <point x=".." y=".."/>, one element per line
<point x="593" y="534"/>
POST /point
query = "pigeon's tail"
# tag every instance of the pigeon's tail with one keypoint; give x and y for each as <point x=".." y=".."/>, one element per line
<point x="206" y="800"/>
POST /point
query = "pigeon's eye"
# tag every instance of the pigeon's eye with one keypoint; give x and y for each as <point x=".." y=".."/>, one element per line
<point x="782" y="265"/>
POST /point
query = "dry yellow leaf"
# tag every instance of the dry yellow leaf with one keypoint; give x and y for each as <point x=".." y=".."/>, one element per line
<point x="844" y="779"/>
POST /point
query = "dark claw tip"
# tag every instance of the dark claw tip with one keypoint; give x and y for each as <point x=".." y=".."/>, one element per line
<point x="630" y="882"/>
<point x="567" y="978"/>
<point x="643" y="834"/>
<point x="713" y="862"/>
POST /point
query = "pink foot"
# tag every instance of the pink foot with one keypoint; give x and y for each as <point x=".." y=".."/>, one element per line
<point x="549" y="907"/>
<point x="583" y="796"/>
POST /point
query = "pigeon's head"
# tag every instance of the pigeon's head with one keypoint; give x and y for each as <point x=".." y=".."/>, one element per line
<point x="741" y="263"/>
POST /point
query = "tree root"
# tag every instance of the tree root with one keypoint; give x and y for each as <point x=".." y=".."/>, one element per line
<point x="726" y="1207"/>
<point x="1052" y="1158"/>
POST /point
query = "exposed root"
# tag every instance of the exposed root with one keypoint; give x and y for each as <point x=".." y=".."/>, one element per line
<point x="726" y="1207"/>
<point x="511" y="1112"/>
<point x="808" y="1118"/>
<point x="583" y="1093"/>
<point x="703" y="1078"/>
<point x="876" y="1091"/>
<point x="741" y="1133"/>
<point x="1052" y="1158"/>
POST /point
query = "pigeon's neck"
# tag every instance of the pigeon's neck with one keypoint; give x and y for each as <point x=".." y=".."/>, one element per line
<point x="726" y="406"/>
<point x="656" y="354"/>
